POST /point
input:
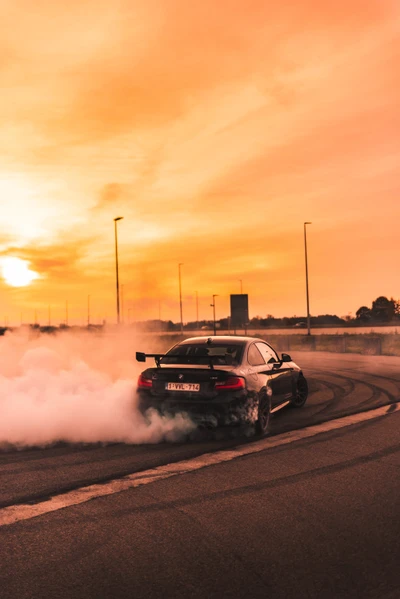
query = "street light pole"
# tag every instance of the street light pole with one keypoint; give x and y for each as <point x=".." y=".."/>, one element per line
<point x="307" y="294"/>
<point x="197" y="310"/>
<point x="88" y="310"/>
<point x="213" y="307"/>
<point x="241" y="286"/>
<point x="116" y="261"/>
<point x="180" y="293"/>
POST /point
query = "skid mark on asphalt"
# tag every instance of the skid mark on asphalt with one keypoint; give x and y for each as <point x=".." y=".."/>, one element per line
<point x="376" y="391"/>
<point x="320" y="393"/>
<point x="266" y="484"/>
<point x="393" y="382"/>
<point x="17" y="513"/>
<point x="339" y="393"/>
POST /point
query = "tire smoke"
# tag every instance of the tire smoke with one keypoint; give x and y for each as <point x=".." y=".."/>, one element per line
<point x="76" y="388"/>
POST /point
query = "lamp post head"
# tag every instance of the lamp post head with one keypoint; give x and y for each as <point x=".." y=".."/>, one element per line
<point x="308" y="223"/>
<point x="118" y="218"/>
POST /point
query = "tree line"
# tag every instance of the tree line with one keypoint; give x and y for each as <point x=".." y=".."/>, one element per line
<point x="383" y="310"/>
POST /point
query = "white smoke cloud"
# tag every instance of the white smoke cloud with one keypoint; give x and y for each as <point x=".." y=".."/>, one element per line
<point x="77" y="388"/>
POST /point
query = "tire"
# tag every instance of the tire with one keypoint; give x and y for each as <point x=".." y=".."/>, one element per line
<point x="301" y="393"/>
<point x="263" y="414"/>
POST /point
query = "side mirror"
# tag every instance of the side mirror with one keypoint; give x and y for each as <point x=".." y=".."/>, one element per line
<point x="286" y="358"/>
<point x="140" y="356"/>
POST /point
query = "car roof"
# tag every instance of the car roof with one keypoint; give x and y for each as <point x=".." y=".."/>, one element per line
<point x="221" y="339"/>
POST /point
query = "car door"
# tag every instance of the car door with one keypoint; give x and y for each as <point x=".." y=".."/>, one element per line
<point x="280" y="373"/>
<point x="255" y="372"/>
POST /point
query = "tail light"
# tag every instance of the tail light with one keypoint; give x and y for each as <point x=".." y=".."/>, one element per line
<point x="144" y="382"/>
<point x="233" y="383"/>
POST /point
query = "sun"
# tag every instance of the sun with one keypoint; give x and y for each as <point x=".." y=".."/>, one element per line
<point x="16" y="272"/>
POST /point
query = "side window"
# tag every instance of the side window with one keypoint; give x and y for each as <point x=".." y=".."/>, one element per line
<point x="254" y="357"/>
<point x="267" y="352"/>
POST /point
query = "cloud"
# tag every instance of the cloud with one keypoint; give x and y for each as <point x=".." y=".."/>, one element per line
<point x="146" y="64"/>
<point x="213" y="128"/>
<point x="110" y="194"/>
<point x="56" y="262"/>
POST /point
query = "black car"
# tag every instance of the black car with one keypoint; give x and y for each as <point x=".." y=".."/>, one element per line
<point x="222" y="381"/>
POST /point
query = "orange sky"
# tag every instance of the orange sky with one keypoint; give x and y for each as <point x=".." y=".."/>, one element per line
<point x="216" y="129"/>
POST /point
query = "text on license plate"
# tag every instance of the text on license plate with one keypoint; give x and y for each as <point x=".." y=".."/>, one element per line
<point x="182" y="386"/>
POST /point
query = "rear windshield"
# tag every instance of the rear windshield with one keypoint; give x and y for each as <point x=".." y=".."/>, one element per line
<point x="199" y="353"/>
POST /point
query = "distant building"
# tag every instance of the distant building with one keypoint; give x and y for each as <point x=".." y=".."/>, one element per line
<point x="239" y="310"/>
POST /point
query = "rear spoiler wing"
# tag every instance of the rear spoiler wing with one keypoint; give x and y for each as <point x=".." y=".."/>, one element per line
<point x="141" y="357"/>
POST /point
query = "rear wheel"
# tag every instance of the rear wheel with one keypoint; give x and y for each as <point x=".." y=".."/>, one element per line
<point x="301" y="393"/>
<point x="263" y="414"/>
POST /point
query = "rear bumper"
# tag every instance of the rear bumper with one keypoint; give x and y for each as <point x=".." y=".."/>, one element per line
<point x="229" y="411"/>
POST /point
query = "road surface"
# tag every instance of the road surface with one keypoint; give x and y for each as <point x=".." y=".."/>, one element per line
<point x="316" y="516"/>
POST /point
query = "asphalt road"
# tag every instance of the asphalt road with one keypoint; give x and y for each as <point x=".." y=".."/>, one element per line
<point x="317" y="517"/>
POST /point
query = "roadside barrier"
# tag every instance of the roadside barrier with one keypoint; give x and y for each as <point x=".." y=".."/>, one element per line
<point x="367" y="344"/>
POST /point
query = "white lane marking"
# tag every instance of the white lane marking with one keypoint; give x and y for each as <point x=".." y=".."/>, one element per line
<point x="16" y="513"/>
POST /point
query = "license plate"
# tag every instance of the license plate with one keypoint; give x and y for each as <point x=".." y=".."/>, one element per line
<point x="182" y="386"/>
